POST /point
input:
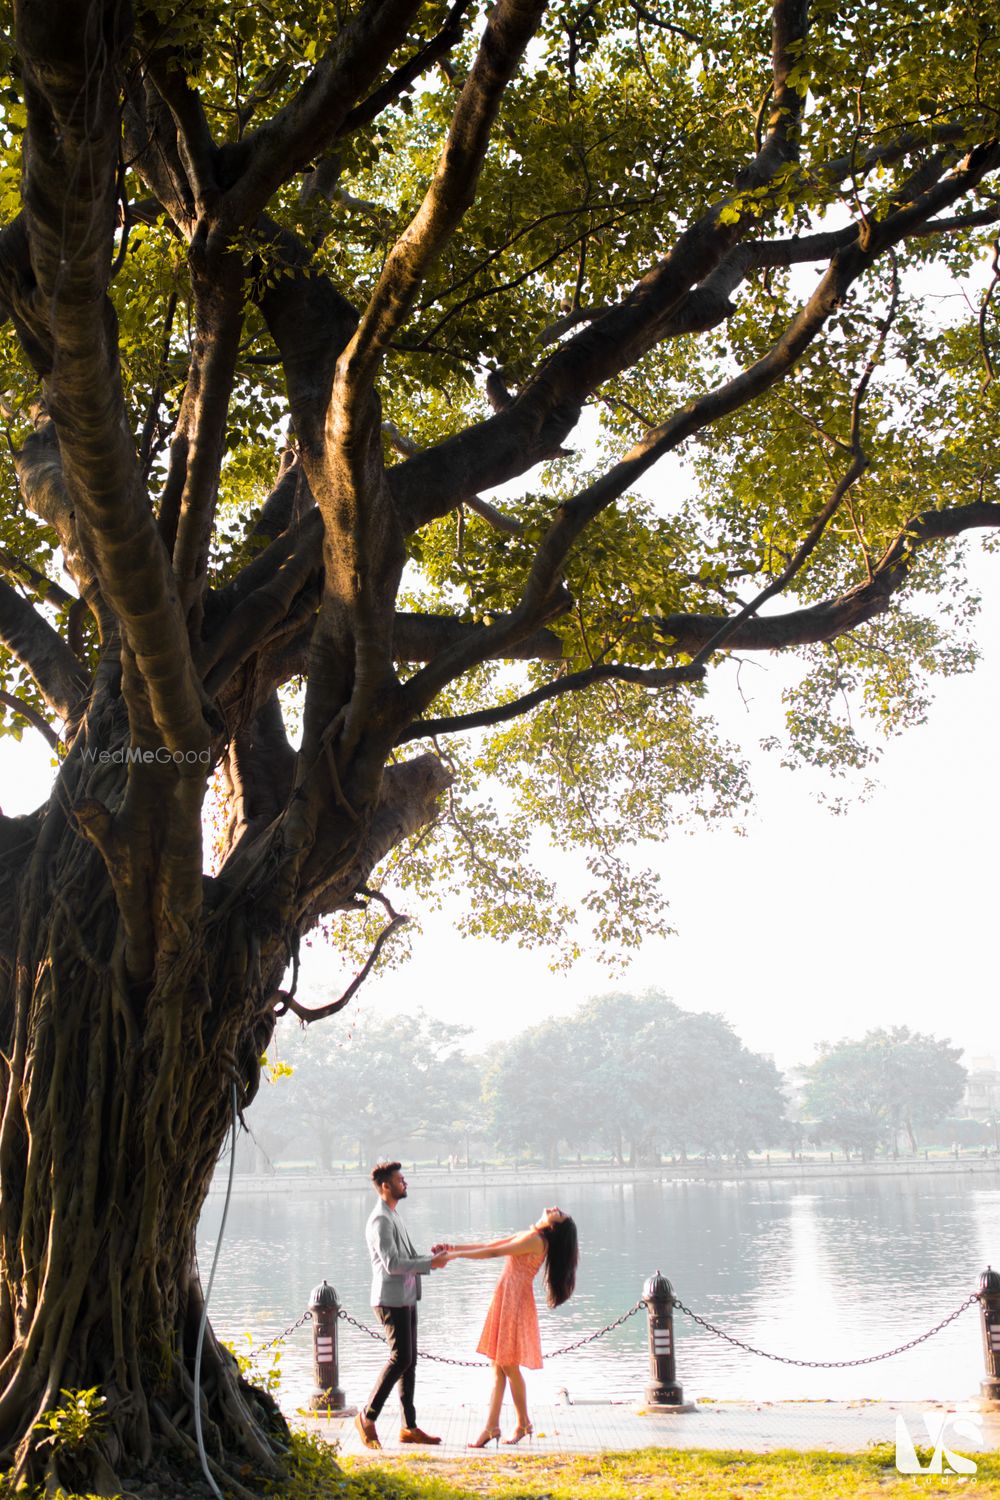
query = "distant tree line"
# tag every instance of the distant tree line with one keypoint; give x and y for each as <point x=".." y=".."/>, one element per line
<point x="624" y="1077"/>
<point x="403" y="1083"/>
<point x="636" y="1076"/>
<point x="866" y="1095"/>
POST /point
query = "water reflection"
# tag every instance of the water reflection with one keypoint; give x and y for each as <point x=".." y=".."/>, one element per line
<point x="833" y="1271"/>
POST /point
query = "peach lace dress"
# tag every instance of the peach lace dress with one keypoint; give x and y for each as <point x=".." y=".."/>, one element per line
<point x="510" y="1333"/>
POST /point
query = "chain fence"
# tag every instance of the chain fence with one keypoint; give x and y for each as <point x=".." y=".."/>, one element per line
<point x="590" y="1338"/>
<point x="483" y="1364"/>
<point x="279" y="1338"/>
<point x="827" y="1364"/>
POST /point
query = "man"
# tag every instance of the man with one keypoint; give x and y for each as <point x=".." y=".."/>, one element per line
<point x="396" y="1273"/>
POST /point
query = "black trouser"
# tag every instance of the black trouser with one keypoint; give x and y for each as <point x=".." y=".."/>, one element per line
<point x="400" y="1324"/>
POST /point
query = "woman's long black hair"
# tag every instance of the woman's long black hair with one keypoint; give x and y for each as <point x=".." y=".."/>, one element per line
<point x="561" y="1256"/>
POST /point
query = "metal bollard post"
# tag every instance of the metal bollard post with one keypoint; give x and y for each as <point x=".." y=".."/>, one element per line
<point x="327" y="1396"/>
<point x="663" y="1394"/>
<point x="989" y="1310"/>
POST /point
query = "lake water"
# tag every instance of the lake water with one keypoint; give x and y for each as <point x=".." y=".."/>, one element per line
<point x="832" y="1269"/>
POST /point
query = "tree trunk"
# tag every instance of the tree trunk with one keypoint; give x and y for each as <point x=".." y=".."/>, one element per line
<point x="116" y="1105"/>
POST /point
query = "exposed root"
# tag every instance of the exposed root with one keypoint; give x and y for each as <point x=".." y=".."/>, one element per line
<point x="185" y="1445"/>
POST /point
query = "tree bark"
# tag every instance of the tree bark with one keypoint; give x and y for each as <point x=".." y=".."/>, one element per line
<point x="116" y="1103"/>
<point x="115" y="1110"/>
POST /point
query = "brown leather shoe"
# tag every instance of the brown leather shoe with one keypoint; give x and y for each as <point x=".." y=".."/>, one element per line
<point x="366" y="1431"/>
<point x="416" y="1435"/>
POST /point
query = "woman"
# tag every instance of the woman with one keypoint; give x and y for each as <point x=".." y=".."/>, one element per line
<point x="510" y="1333"/>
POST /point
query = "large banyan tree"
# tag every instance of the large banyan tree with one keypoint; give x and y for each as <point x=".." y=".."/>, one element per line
<point x="337" y="337"/>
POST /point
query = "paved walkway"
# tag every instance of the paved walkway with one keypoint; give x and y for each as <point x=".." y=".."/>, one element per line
<point x="764" y="1427"/>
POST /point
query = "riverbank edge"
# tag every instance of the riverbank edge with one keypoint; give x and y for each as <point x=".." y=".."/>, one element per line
<point x="246" y="1185"/>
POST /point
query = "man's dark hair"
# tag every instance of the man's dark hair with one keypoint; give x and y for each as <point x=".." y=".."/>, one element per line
<point x="382" y="1171"/>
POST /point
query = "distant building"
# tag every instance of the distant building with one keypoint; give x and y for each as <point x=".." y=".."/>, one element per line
<point x="981" y="1100"/>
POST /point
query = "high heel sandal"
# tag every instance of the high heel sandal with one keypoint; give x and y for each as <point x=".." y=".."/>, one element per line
<point x="488" y="1435"/>
<point x="519" y="1432"/>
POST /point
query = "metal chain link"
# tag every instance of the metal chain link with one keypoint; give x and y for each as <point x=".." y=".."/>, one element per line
<point x="443" y="1359"/>
<point x="829" y="1364"/>
<point x="783" y="1359"/>
<point x="608" y="1328"/>
<point x="482" y="1364"/>
<point x="279" y="1338"/>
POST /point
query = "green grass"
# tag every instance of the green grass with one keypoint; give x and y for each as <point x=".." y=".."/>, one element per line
<point x="316" y="1472"/>
<point x="646" y="1474"/>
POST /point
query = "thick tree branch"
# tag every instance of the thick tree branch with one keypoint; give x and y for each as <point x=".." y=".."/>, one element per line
<point x="422" y="637"/>
<point x="545" y="410"/>
<point x="278" y="646"/>
<point x="70" y="195"/>
<point x="39" y="468"/>
<point x="308" y="1014"/>
<point x="691" y="633"/>
<point x="697" y="635"/>
<point x="31" y="639"/>
<point x="508" y="525"/>
<point x="351" y="675"/>
<point x="305" y="127"/>
<point x="44" y="586"/>
<point x="310" y="322"/>
<point x="407" y="802"/>
<point x="19" y="295"/>
<point x="573" y="516"/>
<point x="570" y="682"/>
<point x="191" y="493"/>
<point x="34" y="718"/>
<point x="400" y="80"/>
<point x="150" y="138"/>
<point x="258" y="618"/>
<point x="452" y="190"/>
<point x="548" y="406"/>
<point x="261" y="768"/>
<point x="196" y="152"/>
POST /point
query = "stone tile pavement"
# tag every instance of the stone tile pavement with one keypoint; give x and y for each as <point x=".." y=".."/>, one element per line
<point x="759" y="1427"/>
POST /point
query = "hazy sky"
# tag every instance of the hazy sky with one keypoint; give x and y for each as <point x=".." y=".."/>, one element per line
<point x="812" y="926"/>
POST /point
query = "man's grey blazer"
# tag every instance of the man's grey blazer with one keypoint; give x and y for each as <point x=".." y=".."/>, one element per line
<point x="396" y="1266"/>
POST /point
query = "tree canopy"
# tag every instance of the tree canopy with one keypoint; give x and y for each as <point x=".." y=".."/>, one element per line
<point x="404" y="1079"/>
<point x="632" y="1075"/>
<point x="862" y="1093"/>
<point x="340" y="342"/>
<point x="638" y="1075"/>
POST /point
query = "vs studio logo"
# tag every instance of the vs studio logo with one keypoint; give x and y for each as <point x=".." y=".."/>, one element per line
<point x="943" y="1459"/>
